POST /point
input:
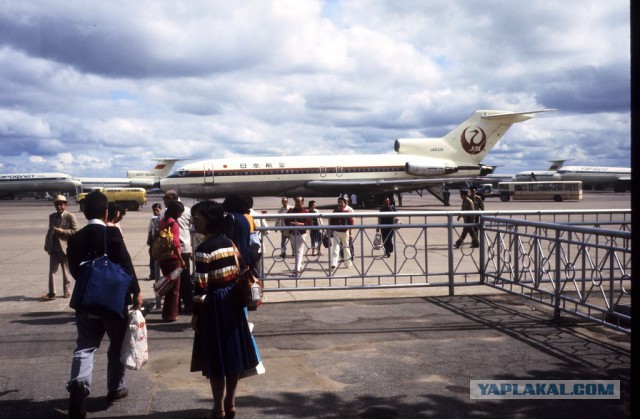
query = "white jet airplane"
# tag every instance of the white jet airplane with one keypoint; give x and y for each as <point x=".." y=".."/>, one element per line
<point x="618" y="178"/>
<point x="419" y="163"/>
<point x="13" y="185"/>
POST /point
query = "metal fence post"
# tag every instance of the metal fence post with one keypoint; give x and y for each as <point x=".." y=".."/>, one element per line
<point x="556" y="303"/>
<point x="450" y="253"/>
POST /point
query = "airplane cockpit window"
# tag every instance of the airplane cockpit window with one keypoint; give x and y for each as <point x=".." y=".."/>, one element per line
<point x="182" y="172"/>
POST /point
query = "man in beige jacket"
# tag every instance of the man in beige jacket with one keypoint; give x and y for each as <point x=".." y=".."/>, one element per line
<point x="62" y="225"/>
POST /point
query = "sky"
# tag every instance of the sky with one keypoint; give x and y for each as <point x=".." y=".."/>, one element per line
<point x="96" y="88"/>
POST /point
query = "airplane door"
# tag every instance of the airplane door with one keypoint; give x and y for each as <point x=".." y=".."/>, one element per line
<point x="323" y="171"/>
<point x="339" y="171"/>
<point x="208" y="174"/>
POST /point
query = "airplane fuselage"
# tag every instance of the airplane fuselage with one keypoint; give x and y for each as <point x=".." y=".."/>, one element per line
<point x="309" y="175"/>
<point x="12" y="185"/>
<point x="90" y="183"/>
<point x="419" y="163"/>
<point x="590" y="176"/>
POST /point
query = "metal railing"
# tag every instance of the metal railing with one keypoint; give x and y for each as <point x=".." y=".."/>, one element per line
<point x="585" y="271"/>
<point x="423" y="256"/>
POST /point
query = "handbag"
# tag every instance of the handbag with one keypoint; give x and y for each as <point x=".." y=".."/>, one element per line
<point x="101" y="287"/>
<point x="248" y="286"/>
<point x="167" y="282"/>
<point x="135" y="350"/>
<point x="326" y="240"/>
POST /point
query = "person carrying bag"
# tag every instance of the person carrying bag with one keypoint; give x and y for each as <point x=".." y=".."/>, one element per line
<point x="86" y="255"/>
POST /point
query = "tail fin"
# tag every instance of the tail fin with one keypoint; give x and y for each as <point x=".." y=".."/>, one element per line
<point x="556" y="164"/>
<point x="470" y="141"/>
<point x="160" y="171"/>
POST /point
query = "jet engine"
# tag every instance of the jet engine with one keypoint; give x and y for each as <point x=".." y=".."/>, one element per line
<point x="425" y="169"/>
<point x="486" y="170"/>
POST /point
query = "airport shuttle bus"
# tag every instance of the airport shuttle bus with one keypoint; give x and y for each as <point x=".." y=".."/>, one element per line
<point x="541" y="191"/>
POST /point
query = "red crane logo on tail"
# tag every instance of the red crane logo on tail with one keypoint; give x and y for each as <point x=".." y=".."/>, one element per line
<point x="473" y="140"/>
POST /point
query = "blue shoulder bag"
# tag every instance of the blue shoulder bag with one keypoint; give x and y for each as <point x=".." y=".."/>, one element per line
<point x="101" y="287"/>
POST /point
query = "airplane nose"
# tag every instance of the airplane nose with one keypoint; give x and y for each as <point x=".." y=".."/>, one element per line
<point x="166" y="184"/>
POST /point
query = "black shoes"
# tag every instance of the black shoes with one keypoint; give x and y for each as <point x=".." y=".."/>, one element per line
<point x="112" y="396"/>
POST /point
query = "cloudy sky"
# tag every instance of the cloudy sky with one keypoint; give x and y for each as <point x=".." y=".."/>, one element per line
<point x="95" y="88"/>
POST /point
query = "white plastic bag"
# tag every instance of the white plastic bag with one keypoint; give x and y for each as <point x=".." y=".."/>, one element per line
<point x="377" y="241"/>
<point x="167" y="282"/>
<point x="134" y="353"/>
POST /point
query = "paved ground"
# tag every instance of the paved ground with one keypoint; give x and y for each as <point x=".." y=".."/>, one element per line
<point x="358" y="354"/>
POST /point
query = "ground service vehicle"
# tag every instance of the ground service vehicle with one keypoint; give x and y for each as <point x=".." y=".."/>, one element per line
<point x="540" y="191"/>
<point x="130" y="198"/>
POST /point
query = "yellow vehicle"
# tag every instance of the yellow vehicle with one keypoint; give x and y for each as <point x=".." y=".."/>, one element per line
<point x="130" y="198"/>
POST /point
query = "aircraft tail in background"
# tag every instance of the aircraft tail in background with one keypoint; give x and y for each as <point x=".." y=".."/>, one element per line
<point x="470" y="141"/>
<point x="160" y="170"/>
<point x="557" y="164"/>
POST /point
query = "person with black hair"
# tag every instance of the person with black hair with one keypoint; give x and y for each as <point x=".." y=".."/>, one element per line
<point x="171" y="304"/>
<point x="152" y="231"/>
<point x="85" y="245"/>
<point x="255" y="238"/>
<point x="298" y="237"/>
<point x="184" y="222"/>
<point x="115" y="214"/>
<point x="238" y="228"/>
<point x="387" y="233"/>
<point x="316" y="235"/>
<point x="223" y="347"/>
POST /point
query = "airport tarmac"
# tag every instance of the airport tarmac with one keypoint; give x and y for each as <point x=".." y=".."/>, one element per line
<point x="335" y="354"/>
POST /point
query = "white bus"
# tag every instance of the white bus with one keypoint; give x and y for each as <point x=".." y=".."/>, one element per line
<point x="541" y="191"/>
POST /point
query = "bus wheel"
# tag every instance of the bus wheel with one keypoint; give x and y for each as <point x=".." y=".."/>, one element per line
<point x="557" y="198"/>
<point x="132" y="206"/>
<point x="504" y="197"/>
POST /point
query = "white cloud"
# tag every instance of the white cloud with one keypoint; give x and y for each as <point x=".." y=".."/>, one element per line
<point x="204" y="79"/>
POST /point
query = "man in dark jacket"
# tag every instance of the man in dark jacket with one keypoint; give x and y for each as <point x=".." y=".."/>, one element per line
<point x="85" y="245"/>
<point x="388" y="232"/>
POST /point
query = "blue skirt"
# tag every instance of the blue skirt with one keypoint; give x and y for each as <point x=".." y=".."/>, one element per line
<point x="223" y="345"/>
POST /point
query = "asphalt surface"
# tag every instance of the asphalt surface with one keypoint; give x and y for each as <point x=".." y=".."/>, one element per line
<point x="366" y="354"/>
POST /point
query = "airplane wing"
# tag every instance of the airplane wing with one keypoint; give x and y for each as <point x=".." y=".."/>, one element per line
<point x="379" y="185"/>
<point x="435" y="186"/>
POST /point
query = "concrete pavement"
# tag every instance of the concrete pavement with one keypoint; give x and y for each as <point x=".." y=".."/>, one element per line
<point x="358" y="354"/>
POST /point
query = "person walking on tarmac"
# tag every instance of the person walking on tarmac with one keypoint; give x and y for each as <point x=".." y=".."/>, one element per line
<point x="467" y="205"/>
<point x="478" y="205"/>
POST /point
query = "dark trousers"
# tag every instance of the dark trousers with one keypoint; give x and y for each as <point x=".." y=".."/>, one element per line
<point x="471" y="231"/>
<point x="152" y="264"/>
<point x="387" y="239"/>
